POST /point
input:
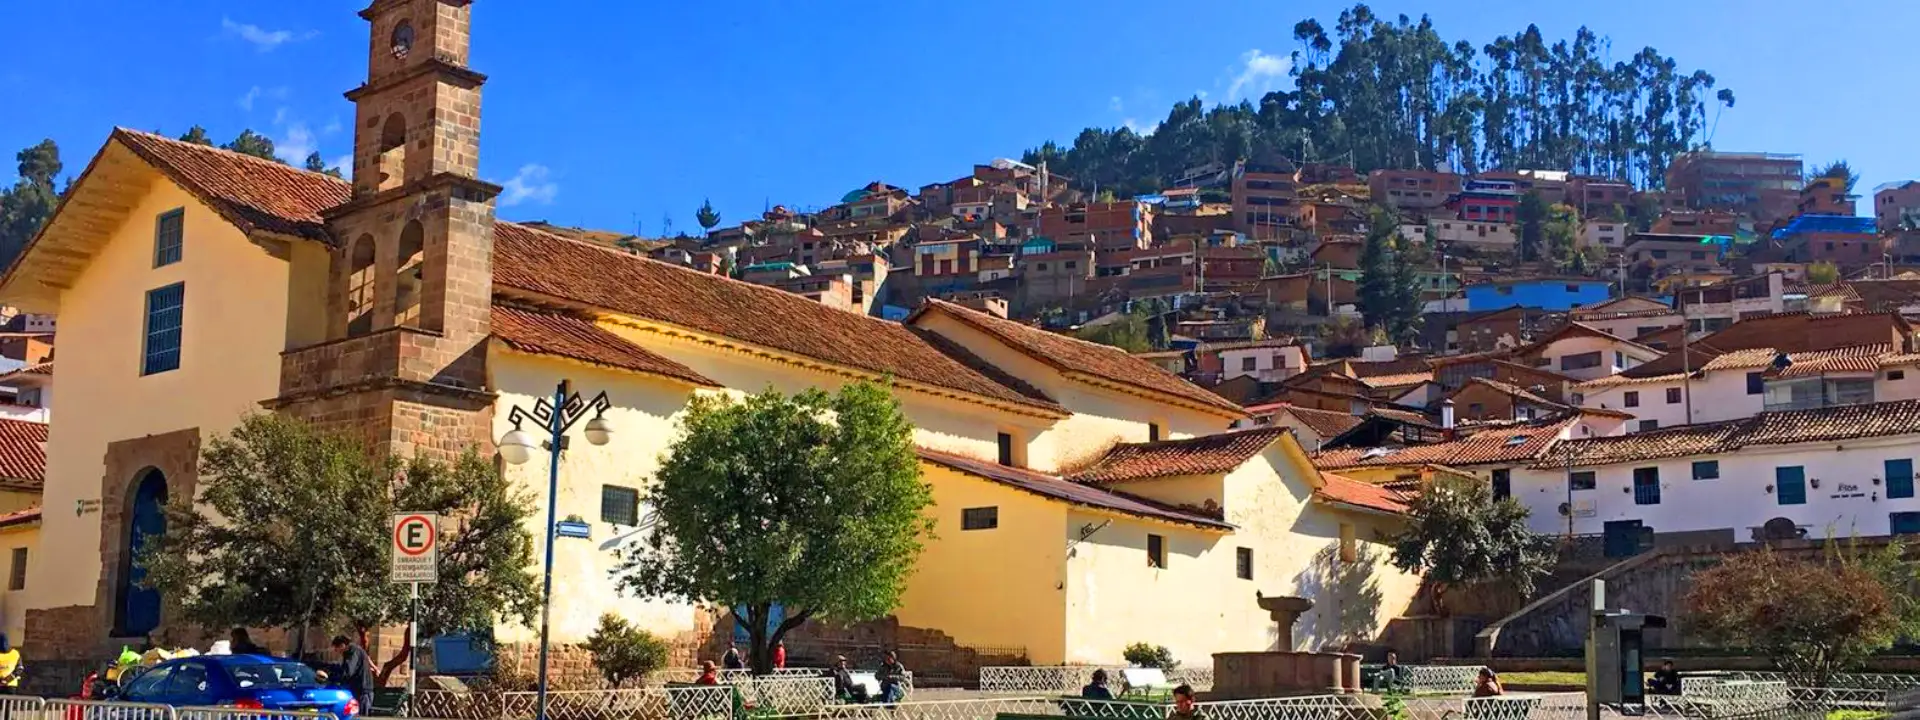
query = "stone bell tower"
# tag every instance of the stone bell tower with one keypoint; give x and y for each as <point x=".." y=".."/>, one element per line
<point x="409" y="282"/>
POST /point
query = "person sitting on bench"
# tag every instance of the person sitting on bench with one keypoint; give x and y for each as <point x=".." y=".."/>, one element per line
<point x="1666" y="680"/>
<point x="1487" y="684"/>
<point x="843" y="684"/>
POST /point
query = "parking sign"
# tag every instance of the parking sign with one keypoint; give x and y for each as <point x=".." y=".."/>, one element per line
<point x="416" y="557"/>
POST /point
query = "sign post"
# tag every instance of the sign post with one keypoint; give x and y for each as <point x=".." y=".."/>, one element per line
<point x="416" y="559"/>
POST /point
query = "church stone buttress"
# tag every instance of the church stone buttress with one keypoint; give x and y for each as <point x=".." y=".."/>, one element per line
<point x="409" y="288"/>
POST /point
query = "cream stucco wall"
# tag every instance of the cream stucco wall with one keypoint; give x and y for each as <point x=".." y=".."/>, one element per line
<point x="1101" y="417"/>
<point x="233" y="332"/>
<point x="645" y="410"/>
<point x="1197" y="605"/>
<point x="13" y="603"/>
<point x="993" y="588"/>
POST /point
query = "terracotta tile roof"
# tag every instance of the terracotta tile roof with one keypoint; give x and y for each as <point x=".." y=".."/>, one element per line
<point x="1763" y="357"/>
<point x="1668" y="442"/>
<point x="534" y="262"/>
<point x="252" y="193"/>
<point x="1833" y="423"/>
<point x="1247" y="344"/>
<point x="1513" y="391"/>
<point x="1205" y="455"/>
<point x="1822" y="366"/>
<point x="1801" y="332"/>
<point x="1325" y="423"/>
<point x="1618" y="380"/>
<point x="1073" y="355"/>
<point x="45" y="369"/>
<point x="1844" y="422"/>
<point x="555" y="333"/>
<point x="1405" y="417"/>
<point x="1056" y="488"/>
<point x="23" y="454"/>
<point x="20" y="517"/>
<point x="1492" y="446"/>
<point x="1348" y="491"/>
<point x="1400" y="380"/>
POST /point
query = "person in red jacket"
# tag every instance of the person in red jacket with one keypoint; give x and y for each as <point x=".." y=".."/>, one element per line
<point x="709" y="675"/>
<point x="780" y="654"/>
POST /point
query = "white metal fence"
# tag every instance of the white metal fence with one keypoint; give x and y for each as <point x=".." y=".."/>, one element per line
<point x="26" y="707"/>
<point x="1424" y="679"/>
<point x="1070" y="678"/>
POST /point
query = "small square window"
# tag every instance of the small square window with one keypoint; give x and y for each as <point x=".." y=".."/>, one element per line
<point x="1243" y="563"/>
<point x="1896" y="374"/>
<point x="1706" y="469"/>
<point x="1006" y="449"/>
<point x="1502" y="484"/>
<point x="1673" y="396"/>
<point x="1582" y="480"/>
<point x="1156" y="552"/>
<point x="619" y="505"/>
<point x="1646" y="425"/>
<point x="1757" y="385"/>
<point x="1632" y="398"/>
<point x="980" y="518"/>
<point x="1154" y="433"/>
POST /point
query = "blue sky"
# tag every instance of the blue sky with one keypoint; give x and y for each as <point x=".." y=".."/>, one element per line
<point x="607" y="113"/>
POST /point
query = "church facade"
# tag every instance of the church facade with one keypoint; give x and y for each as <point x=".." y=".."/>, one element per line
<point x="195" y="285"/>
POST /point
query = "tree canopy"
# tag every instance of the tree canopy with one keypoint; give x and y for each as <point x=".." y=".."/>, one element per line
<point x="27" y="205"/>
<point x="706" y="216"/>
<point x="1376" y="92"/>
<point x="1811" y="616"/>
<point x="1389" y="286"/>
<point x="1458" y="534"/>
<point x="811" y="502"/>
<point x="236" y="558"/>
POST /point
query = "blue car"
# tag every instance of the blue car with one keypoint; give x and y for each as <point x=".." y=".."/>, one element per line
<point x="243" y="681"/>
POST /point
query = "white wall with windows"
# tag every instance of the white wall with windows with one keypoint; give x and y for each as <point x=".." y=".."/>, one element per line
<point x="1587" y="357"/>
<point x="1859" y="487"/>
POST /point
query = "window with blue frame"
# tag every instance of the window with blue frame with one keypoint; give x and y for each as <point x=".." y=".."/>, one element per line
<point x="1646" y="486"/>
<point x="1904" y="523"/>
<point x="1900" y="478"/>
<point x="165" y="308"/>
<point x="1790" y="485"/>
<point x="169" y="236"/>
<point x="1706" y="470"/>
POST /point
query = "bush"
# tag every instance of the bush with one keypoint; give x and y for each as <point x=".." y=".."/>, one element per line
<point x="622" y="652"/>
<point x="1150" y="656"/>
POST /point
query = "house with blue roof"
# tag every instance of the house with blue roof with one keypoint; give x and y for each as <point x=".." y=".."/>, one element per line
<point x="1555" y="294"/>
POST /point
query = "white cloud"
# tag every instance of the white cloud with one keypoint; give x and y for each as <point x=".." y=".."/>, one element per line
<point x="1115" y="105"/>
<point x="1139" y="129"/>
<point x="345" y="163"/>
<point x="296" y="144"/>
<point x="262" y="39"/>
<point x="1202" y="94"/>
<point x="532" y="183"/>
<point x="1258" y="74"/>
<point x="257" y="93"/>
<point x="332" y="127"/>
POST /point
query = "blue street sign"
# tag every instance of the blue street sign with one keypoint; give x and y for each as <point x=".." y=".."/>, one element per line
<point x="572" y="529"/>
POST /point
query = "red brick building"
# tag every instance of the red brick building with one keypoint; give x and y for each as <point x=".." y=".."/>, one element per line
<point x="1118" y="225"/>
<point x="1413" y="189"/>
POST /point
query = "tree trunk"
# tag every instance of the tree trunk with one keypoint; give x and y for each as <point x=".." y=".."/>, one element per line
<point x="759" y="659"/>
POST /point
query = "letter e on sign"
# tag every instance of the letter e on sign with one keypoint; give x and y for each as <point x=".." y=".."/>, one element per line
<point x="416" y="557"/>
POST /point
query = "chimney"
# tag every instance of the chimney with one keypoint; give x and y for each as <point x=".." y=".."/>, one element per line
<point x="1446" y="414"/>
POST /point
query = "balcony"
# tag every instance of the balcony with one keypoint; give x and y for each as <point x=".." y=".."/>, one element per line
<point x="1815" y="393"/>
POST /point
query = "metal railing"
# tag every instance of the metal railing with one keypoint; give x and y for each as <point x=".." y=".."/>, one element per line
<point x="1071" y="678"/>
<point x="27" y="707"/>
<point x="1426" y="679"/>
<point x="1865" y="681"/>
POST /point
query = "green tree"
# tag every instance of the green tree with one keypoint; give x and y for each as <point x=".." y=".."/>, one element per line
<point x="1811" y="617"/>
<point x="1389" y="285"/>
<point x="624" y="653"/>
<point x="315" y="164"/>
<point x="1130" y="332"/>
<point x="30" y="202"/>
<point x="1458" y="534"/>
<point x="1646" y="210"/>
<point x="1823" y="272"/>
<point x="233" y="559"/>
<point x="1561" y="231"/>
<point x="708" y="217"/>
<point x="1839" y="170"/>
<point x="197" y="135"/>
<point x="253" y="143"/>
<point x="812" y="502"/>
<point x="1532" y="215"/>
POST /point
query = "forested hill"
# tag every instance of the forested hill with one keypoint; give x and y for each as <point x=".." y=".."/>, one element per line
<point x="1393" y="93"/>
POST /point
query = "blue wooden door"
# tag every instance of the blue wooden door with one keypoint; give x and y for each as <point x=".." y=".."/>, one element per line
<point x="1900" y="478"/>
<point x="140" y="609"/>
<point x="1790" y="485"/>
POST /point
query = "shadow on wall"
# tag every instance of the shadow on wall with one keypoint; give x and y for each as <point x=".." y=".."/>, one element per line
<point x="1346" y="599"/>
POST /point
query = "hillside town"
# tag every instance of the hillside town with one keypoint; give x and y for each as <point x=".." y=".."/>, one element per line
<point x="1204" y="430"/>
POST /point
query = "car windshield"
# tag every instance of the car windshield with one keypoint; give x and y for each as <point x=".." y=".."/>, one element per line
<point x="273" y="675"/>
